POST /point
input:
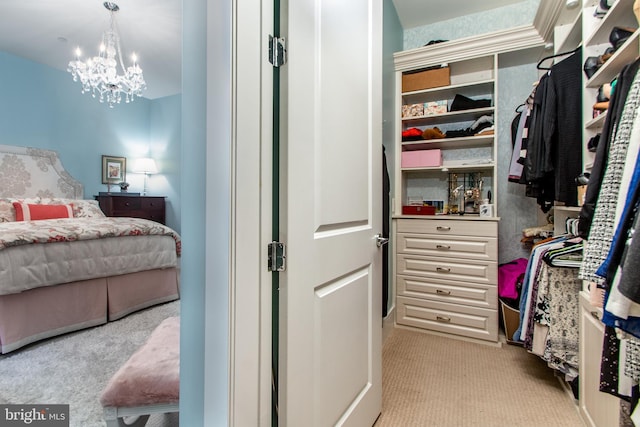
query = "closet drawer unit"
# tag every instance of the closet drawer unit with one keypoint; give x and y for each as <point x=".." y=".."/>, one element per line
<point x="480" y="272"/>
<point x="481" y="248"/>
<point x="464" y="293"/>
<point x="447" y="318"/>
<point x="443" y="227"/>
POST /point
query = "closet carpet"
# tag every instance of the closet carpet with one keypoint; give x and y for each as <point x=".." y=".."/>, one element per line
<point x="429" y="380"/>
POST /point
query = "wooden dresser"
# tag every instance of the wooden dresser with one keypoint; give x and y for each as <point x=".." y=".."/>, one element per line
<point x="133" y="205"/>
<point x="447" y="276"/>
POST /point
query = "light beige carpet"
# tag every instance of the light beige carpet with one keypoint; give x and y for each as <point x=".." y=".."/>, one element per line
<point x="429" y="380"/>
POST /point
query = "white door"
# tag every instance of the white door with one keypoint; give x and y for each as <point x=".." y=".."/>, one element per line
<point x="330" y="293"/>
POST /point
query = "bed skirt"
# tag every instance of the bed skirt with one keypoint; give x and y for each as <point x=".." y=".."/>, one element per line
<point x="45" y="312"/>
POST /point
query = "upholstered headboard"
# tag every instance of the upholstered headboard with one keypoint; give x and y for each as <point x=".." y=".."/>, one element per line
<point x="34" y="172"/>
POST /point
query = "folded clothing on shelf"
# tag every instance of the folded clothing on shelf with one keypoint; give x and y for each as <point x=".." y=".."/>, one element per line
<point x="461" y="102"/>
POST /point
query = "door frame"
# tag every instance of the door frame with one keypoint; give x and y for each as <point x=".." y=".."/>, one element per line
<point x="250" y="293"/>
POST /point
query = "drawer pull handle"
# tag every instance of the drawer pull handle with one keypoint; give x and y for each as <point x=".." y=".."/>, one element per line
<point x="443" y="228"/>
<point x="443" y="319"/>
<point x="441" y="292"/>
<point x="443" y="247"/>
<point x="443" y="270"/>
<point x="595" y="315"/>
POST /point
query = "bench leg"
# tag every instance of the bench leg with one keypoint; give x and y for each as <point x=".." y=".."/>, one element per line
<point x="139" y="421"/>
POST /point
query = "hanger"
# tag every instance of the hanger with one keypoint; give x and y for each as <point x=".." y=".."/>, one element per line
<point x="540" y="67"/>
<point x="519" y="107"/>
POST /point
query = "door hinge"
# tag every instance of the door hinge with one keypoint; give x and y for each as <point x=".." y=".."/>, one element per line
<point x="277" y="256"/>
<point x="277" y="51"/>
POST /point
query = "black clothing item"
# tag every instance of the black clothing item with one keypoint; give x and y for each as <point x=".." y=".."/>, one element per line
<point x="563" y="127"/>
<point x="534" y="166"/>
<point x="386" y="190"/>
<point x="616" y="105"/>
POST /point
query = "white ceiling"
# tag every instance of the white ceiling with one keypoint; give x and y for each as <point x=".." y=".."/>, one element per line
<point x="48" y="31"/>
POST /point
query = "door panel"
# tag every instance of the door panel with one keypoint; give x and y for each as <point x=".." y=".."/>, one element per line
<point x="330" y="294"/>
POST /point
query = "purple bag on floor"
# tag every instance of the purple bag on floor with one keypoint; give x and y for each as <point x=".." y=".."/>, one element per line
<point x="509" y="276"/>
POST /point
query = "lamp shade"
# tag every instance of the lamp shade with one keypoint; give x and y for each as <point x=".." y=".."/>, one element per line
<point x="145" y="165"/>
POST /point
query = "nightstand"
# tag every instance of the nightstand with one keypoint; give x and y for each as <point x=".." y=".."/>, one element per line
<point x="133" y="205"/>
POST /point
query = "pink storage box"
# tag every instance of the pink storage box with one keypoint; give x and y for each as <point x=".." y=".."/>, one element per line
<point x="421" y="158"/>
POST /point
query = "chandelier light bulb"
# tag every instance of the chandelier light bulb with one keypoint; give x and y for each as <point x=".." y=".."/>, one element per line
<point x="99" y="75"/>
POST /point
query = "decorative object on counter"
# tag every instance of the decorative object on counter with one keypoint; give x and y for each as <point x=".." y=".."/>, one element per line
<point x="99" y="75"/>
<point x="124" y="186"/>
<point x="465" y="193"/>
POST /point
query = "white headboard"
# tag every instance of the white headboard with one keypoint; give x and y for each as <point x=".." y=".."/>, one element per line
<point x="34" y="172"/>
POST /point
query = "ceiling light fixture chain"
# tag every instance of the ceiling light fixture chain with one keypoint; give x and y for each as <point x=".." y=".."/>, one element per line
<point x="99" y="75"/>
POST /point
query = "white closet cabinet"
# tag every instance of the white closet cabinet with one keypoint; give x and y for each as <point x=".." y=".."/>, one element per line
<point x="596" y="408"/>
<point x="446" y="264"/>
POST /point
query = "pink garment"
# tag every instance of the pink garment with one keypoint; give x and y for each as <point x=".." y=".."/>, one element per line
<point x="508" y="276"/>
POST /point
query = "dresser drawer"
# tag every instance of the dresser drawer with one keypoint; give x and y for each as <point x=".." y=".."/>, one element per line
<point x="484" y="272"/>
<point x="443" y="227"/>
<point x="126" y="203"/>
<point x="482" y="248"/>
<point x="152" y="203"/>
<point x="465" y="293"/>
<point x="442" y="317"/>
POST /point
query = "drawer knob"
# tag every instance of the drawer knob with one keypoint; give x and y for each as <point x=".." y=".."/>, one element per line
<point x="441" y="292"/>
<point x="443" y="270"/>
<point x="127" y="204"/>
<point x="443" y="247"/>
<point x="443" y="319"/>
<point x="443" y="228"/>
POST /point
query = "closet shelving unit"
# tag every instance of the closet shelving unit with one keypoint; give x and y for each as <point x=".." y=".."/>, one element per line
<point x="599" y="409"/>
<point x="446" y="265"/>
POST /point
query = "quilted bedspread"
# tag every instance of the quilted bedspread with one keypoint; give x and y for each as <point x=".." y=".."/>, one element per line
<point x="72" y="229"/>
<point x="49" y="252"/>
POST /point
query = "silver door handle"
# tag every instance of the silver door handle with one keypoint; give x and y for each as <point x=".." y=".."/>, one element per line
<point x="381" y="240"/>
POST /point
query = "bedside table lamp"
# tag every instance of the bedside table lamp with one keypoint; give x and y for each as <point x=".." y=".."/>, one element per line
<point x="147" y="166"/>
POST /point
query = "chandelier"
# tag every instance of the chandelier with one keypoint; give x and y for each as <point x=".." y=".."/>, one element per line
<point x="99" y="75"/>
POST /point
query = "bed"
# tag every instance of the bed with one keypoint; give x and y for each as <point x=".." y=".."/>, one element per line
<point x="64" y="265"/>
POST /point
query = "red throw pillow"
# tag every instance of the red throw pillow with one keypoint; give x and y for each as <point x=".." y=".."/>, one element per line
<point x="26" y="212"/>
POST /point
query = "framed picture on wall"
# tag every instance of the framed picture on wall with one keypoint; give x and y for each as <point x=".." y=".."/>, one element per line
<point x="114" y="169"/>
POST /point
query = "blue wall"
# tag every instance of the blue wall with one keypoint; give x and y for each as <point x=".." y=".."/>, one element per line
<point x="501" y="18"/>
<point x="43" y="107"/>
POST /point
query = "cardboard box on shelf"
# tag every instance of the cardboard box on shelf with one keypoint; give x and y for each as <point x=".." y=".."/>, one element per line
<point x="421" y="158"/>
<point x="435" y="107"/>
<point x="426" y="79"/>
<point x="412" y="110"/>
